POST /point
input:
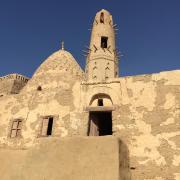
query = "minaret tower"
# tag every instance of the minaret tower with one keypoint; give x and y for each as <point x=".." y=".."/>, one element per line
<point x="102" y="61"/>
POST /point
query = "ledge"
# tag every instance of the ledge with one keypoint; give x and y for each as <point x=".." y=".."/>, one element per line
<point x="100" y="108"/>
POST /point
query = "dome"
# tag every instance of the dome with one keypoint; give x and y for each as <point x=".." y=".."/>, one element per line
<point x="58" y="70"/>
<point x="60" y="62"/>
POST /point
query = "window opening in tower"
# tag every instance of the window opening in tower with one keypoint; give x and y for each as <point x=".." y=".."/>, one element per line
<point x="104" y="41"/>
<point x="102" y="18"/>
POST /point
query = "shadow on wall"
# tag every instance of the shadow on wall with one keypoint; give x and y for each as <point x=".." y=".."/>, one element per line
<point x="124" y="162"/>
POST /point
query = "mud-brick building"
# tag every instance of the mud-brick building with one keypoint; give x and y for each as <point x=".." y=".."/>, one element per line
<point x="68" y="124"/>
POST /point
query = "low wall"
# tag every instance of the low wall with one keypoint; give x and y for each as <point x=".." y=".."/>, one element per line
<point x="78" y="158"/>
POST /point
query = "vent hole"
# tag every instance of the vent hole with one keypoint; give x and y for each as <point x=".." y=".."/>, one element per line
<point x="39" y="88"/>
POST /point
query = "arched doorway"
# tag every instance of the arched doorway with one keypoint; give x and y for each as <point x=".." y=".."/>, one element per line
<point x="100" y="115"/>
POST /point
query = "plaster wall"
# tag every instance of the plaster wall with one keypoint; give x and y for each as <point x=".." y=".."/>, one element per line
<point x="146" y="117"/>
<point x="54" y="90"/>
<point x="148" y="120"/>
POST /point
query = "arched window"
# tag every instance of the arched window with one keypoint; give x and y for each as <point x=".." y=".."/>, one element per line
<point x="100" y="122"/>
<point x="102" y="18"/>
<point x="101" y="100"/>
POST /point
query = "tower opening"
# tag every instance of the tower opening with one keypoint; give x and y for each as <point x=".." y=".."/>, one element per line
<point x="104" y="41"/>
<point x="100" y="102"/>
<point x="100" y="123"/>
<point x="102" y="18"/>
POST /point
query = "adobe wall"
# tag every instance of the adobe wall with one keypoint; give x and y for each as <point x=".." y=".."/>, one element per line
<point x="32" y="106"/>
<point x="148" y="120"/>
<point x="65" y="159"/>
<point x="146" y="117"/>
<point x="59" y="96"/>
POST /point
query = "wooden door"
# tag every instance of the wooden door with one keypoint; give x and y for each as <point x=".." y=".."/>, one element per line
<point x="93" y="126"/>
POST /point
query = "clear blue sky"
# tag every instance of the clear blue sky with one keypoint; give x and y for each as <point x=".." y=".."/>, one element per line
<point x="31" y="30"/>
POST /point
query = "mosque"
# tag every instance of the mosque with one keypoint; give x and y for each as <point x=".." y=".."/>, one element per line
<point x="66" y="123"/>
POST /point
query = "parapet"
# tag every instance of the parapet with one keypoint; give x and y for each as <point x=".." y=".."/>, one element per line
<point x="15" y="77"/>
<point x="12" y="84"/>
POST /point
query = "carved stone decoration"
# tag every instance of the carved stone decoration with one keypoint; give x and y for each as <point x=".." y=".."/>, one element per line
<point x="95" y="72"/>
<point x="107" y="72"/>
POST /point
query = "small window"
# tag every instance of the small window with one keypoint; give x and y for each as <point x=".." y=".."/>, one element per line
<point x="47" y="125"/>
<point x="100" y="102"/>
<point x="39" y="88"/>
<point x="16" y="128"/>
<point x="104" y="41"/>
<point x="102" y="18"/>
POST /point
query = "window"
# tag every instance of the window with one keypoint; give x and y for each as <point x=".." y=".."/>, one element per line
<point x="47" y="125"/>
<point x="104" y="41"/>
<point x="39" y="88"/>
<point x="16" y="128"/>
<point x="100" y="102"/>
<point x="102" y="18"/>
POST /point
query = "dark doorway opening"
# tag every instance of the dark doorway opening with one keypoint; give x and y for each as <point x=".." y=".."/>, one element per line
<point x="100" y="123"/>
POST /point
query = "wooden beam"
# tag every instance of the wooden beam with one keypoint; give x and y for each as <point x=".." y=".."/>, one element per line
<point x="100" y="108"/>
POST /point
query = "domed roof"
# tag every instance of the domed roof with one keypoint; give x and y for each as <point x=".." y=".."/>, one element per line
<point x="60" y="62"/>
<point x="58" y="70"/>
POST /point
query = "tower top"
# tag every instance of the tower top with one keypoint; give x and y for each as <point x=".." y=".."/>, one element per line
<point x="103" y="16"/>
<point x="104" y="10"/>
<point x="62" y="45"/>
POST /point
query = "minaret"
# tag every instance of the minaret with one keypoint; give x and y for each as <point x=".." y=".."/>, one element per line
<point x="102" y="61"/>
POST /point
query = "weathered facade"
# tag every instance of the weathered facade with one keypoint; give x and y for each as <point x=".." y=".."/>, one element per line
<point x="54" y="125"/>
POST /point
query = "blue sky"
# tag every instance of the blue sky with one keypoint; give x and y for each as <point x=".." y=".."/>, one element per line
<point x="31" y="30"/>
